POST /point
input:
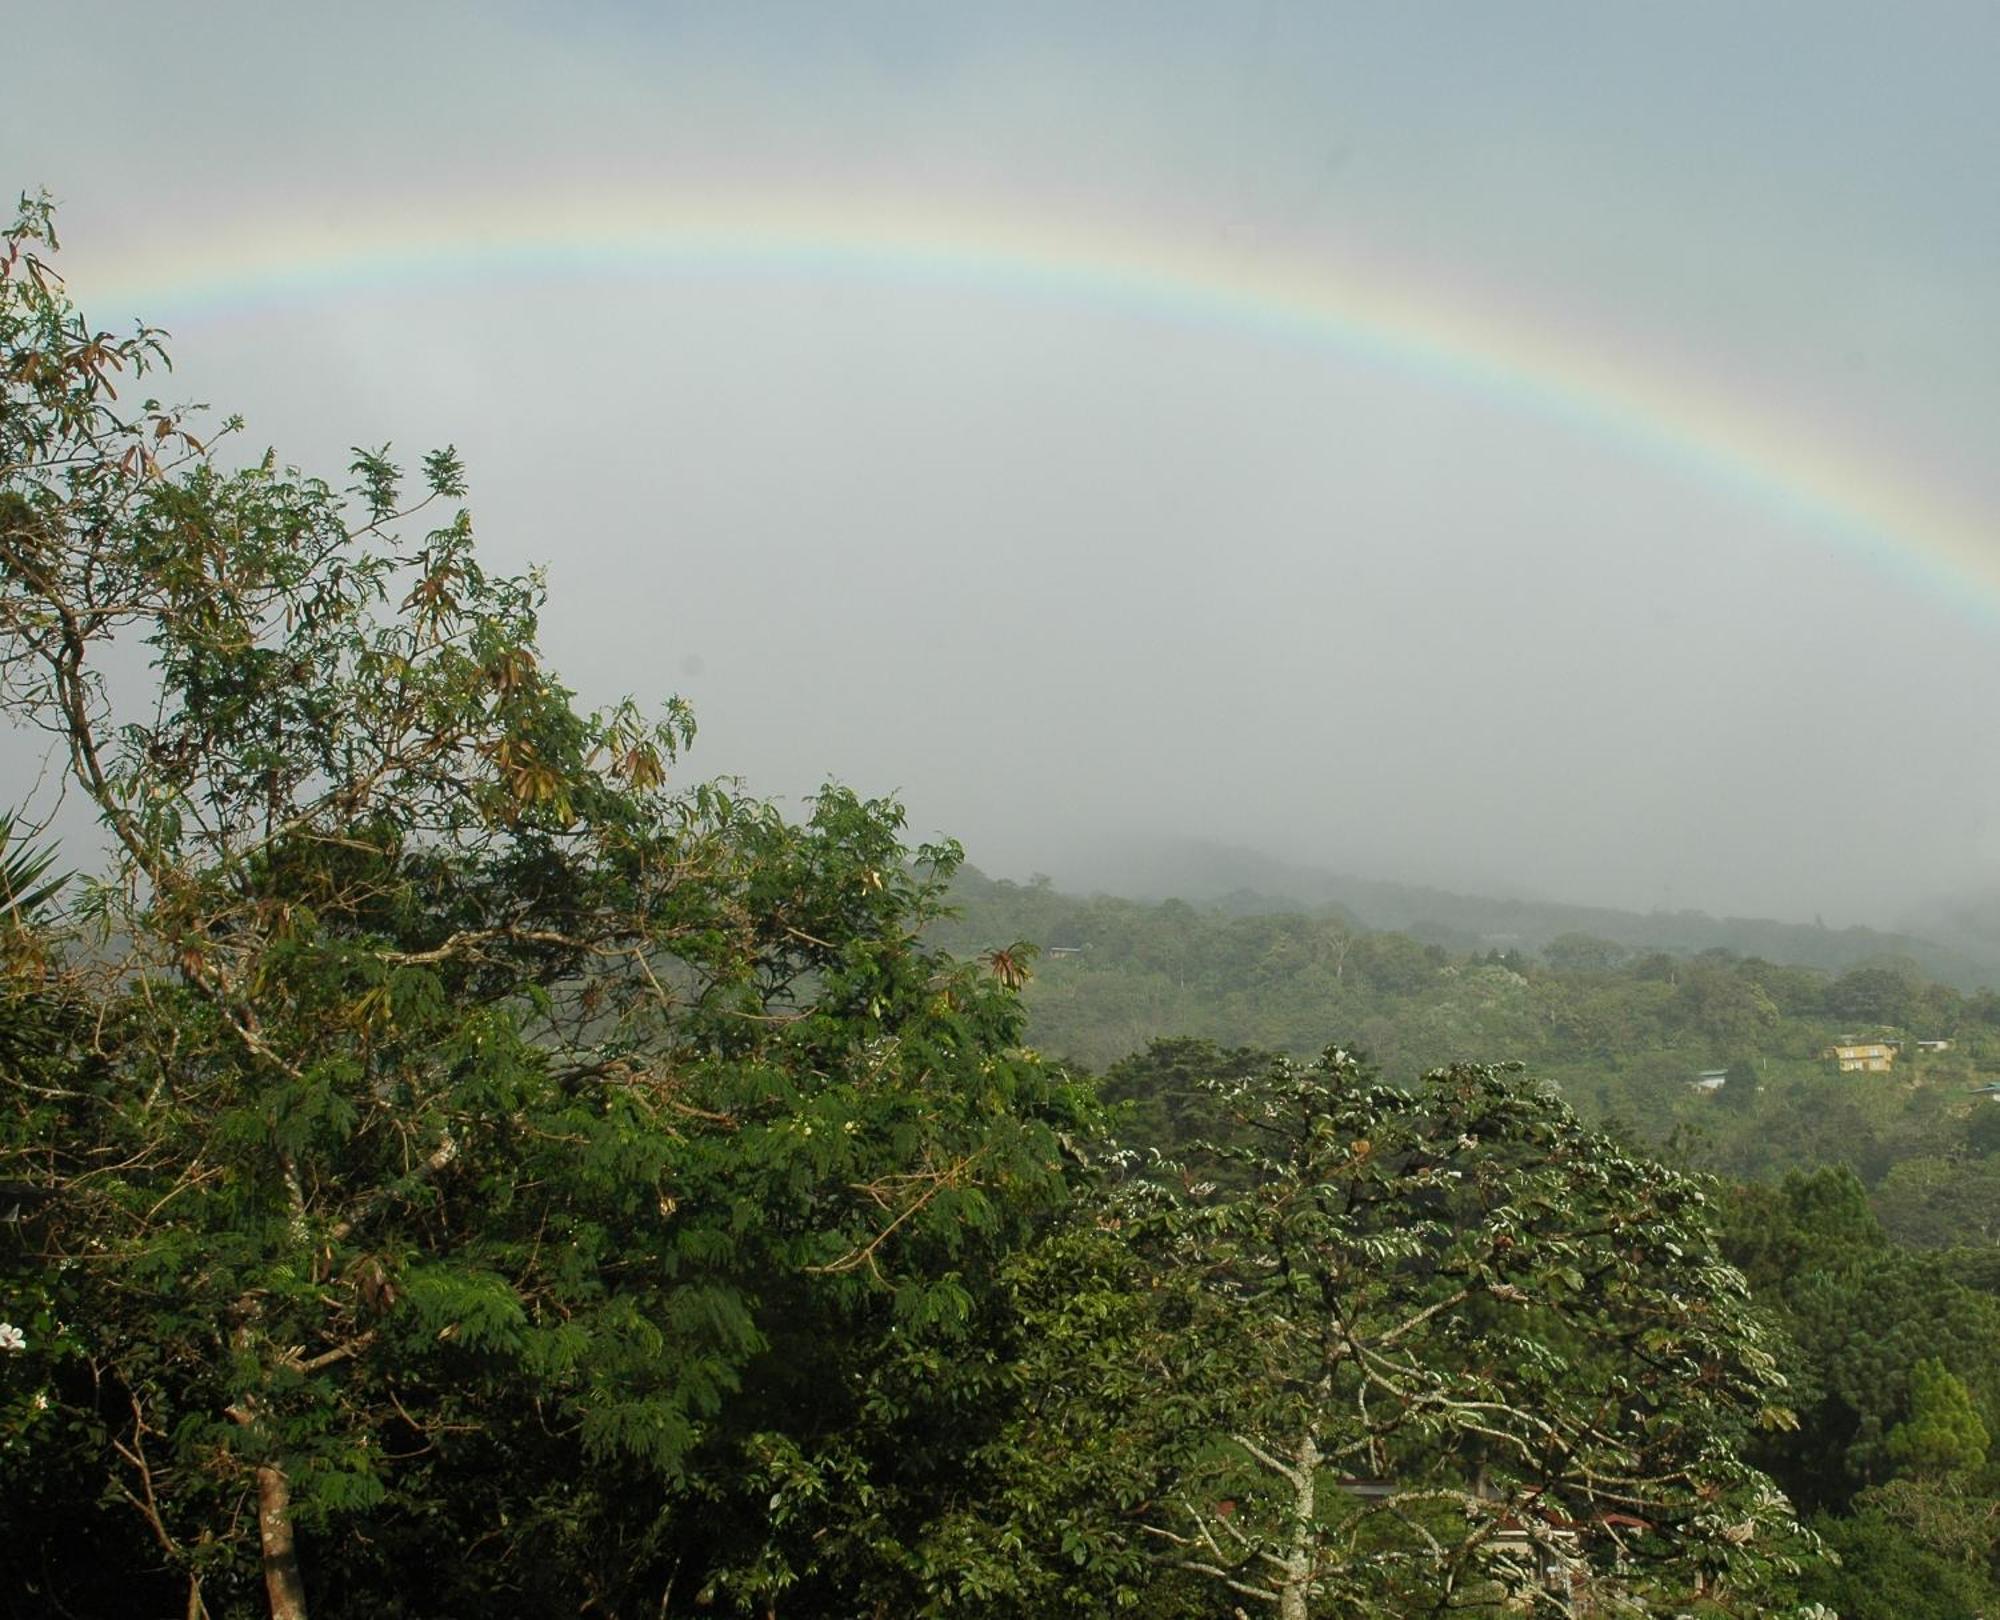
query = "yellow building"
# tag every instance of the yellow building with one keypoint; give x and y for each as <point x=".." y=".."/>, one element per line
<point x="1871" y="1057"/>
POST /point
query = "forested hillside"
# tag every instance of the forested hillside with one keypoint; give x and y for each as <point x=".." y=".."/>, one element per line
<point x="1864" y="1207"/>
<point x="1114" y="973"/>
<point x="1956" y="943"/>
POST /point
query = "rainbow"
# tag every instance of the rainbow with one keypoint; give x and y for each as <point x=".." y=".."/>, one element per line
<point x="1367" y="313"/>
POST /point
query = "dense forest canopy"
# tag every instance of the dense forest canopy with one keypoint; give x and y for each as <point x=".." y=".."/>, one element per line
<point x="451" y="1167"/>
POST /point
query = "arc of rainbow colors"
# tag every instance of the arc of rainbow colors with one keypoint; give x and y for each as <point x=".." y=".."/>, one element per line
<point x="1926" y="546"/>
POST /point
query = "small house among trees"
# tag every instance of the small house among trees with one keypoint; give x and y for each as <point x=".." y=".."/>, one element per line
<point x="1870" y="1057"/>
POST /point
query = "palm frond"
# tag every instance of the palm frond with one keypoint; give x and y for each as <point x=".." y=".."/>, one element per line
<point x="25" y="884"/>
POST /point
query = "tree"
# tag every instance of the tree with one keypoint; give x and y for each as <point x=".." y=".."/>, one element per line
<point x="1440" y="1348"/>
<point x="1395" y="964"/>
<point x="1813" y="1222"/>
<point x="1942" y="1434"/>
<point x="1882" y="1573"/>
<point x="1871" y="995"/>
<point x="1982" y="1131"/>
<point x="447" y="1134"/>
<point x="1740" y="1087"/>
<point x="1934" y="1202"/>
<point x="1583" y="953"/>
<point x="1170" y="1094"/>
<point x="1728" y="1012"/>
<point x="1861" y="1326"/>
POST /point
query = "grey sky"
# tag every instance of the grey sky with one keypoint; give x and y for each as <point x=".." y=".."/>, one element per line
<point x="1054" y="567"/>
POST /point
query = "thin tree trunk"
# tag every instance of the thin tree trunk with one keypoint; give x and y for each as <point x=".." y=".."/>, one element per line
<point x="283" y="1581"/>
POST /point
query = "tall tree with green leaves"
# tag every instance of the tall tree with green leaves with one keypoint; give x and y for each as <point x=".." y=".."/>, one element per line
<point x="1428" y="1351"/>
<point x="455" y="1138"/>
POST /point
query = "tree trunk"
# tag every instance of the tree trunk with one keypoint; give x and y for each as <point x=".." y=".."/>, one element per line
<point x="1297" y="1584"/>
<point x="284" y="1584"/>
<point x="283" y="1581"/>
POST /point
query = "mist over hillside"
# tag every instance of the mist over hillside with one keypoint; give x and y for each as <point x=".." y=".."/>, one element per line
<point x="1957" y="943"/>
<point x="1967" y="925"/>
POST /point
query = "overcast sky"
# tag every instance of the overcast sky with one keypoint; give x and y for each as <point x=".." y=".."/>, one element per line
<point x="1060" y="564"/>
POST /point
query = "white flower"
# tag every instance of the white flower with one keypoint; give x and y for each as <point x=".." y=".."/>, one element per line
<point x="12" y="1338"/>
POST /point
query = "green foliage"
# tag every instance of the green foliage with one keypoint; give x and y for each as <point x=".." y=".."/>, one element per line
<point x="1872" y="996"/>
<point x="1942" y="1434"/>
<point x="1370" y="1373"/>
<point x="1583" y="953"/>
<point x="440" y="1132"/>
<point x="1623" y="1037"/>
<point x="1168" y="1092"/>
<point x="1941" y="1201"/>
<point x="26" y="886"/>
<point x="1879" y="1572"/>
